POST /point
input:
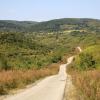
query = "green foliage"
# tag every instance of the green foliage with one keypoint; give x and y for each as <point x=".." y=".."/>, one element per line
<point x="49" y="26"/>
<point x="88" y="59"/>
<point x="46" y="42"/>
<point x="56" y="59"/>
<point x="15" y="26"/>
<point x="26" y="52"/>
<point x="3" y="63"/>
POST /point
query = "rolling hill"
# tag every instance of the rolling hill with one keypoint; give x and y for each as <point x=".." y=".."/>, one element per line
<point x="53" y="25"/>
<point x="26" y="44"/>
<point x="15" y="26"/>
<point x="32" y="50"/>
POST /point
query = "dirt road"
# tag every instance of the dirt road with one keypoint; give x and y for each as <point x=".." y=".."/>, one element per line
<point x="80" y="50"/>
<point x="50" y="88"/>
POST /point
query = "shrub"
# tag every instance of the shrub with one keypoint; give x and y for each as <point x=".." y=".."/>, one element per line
<point x="3" y="62"/>
<point x="86" y="61"/>
<point x="55" y="59"/>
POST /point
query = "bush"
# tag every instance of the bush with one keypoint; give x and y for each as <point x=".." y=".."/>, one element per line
<point x="86" y="61"/>
<point x="55" y="59"/>
<point x="3" y="62"/>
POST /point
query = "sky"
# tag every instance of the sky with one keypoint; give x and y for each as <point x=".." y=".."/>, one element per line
<point x="43" y="10"/>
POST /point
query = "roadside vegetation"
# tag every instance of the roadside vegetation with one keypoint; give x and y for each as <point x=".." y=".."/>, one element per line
<point x="15" y="79"/>
<point x="85" y="72"/>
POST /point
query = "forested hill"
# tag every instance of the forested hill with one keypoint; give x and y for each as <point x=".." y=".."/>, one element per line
<point x="53" y="25"/>
<point x="38" y="44"/>
<point x="16" y="26"/>
<point x="67" y="24"/>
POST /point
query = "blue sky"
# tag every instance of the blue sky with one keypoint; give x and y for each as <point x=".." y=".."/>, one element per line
<point x="42" y="10"/>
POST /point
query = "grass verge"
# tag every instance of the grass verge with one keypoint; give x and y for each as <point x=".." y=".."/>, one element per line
<point x="87" y="83"/>
<point x="14" y="79"/>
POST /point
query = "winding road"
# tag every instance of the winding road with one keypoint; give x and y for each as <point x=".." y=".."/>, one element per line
<point x="50" y="88"/>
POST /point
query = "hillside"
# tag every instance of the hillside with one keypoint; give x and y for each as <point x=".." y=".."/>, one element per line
<point x="42" y="46"/>
<point x="19" y="50"/>
<point x="15" y="26"/>
<point x="67" y="24"/>
<point x="32" y="50"/>
<point x="49" y="26"/>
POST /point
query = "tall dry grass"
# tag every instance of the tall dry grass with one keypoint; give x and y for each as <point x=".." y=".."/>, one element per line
<point x="19" y="78"/>
<point x="87" y="84"/>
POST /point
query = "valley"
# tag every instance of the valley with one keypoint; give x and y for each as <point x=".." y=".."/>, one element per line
<point x="30" y="51"/>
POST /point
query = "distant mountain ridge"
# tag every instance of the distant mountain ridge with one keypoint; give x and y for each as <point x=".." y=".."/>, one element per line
<point x="17" y="26"/>
<point x="52" y="25"/>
